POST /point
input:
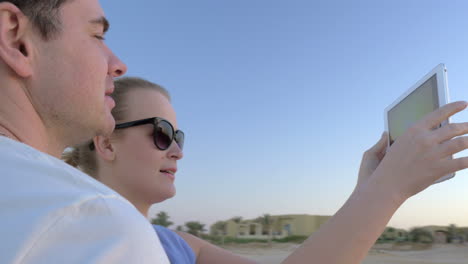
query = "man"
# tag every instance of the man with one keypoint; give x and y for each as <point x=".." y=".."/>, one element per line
<point x="56" y="77"/>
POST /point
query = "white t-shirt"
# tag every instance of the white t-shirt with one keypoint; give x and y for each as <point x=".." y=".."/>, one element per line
<point x="52" y="213"/>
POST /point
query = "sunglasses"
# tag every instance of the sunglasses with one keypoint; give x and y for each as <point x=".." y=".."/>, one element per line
<point x="163" y="133"/>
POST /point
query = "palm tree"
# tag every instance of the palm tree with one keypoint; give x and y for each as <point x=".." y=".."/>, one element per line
<point x="195" y="228"/>
<point x="267" y="222"/>
<point x="162" y="219"/>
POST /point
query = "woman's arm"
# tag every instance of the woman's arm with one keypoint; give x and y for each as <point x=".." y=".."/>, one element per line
<point x="415" y="161"/>
<point x="351" y="232"/>
<point x="207" y="253"/>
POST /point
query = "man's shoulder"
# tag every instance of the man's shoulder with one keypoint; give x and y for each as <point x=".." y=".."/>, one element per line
<point x="24" y="167"/>
<point x="108" y="215"/>
<point x="38" y="187"/>
<point x="53" y="212"/>
<point x="97" y="230"/>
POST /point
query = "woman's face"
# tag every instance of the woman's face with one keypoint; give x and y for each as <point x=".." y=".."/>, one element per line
<point x="143" y="173"/>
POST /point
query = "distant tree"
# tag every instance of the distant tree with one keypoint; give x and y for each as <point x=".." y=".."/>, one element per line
<point x="421" y="235"/>
<point x="195" y="228"/>
<point x="220" y="229"/>
<point x="453" y="233"/>
<point x="267" y="222"/>
<point x="180" y="228"/>
<point x="390" y="233"/>
<point x="162" y="219"/>
<point x="464" y="235"/>
<point x="237" y="219"/>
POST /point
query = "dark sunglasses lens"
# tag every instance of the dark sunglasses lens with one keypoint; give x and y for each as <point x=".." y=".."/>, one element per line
<point x="163" y="135"/>
<point x="180" y="137"/>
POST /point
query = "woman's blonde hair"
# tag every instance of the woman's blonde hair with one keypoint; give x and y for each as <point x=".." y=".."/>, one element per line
<point x="83" y="156"/>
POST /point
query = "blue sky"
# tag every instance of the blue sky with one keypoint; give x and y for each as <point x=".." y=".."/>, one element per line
<point x="279" y="99"/>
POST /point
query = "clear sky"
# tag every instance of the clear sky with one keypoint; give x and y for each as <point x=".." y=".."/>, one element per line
<point x="279" y="99"/>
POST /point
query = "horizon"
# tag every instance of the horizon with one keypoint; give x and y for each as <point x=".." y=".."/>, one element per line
<point x="208" y="226"/>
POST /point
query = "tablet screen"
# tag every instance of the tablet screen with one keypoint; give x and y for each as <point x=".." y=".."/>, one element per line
<point x="415" y="106"/>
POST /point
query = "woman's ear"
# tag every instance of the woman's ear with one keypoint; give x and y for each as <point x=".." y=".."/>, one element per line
<point x="104" y="147"/>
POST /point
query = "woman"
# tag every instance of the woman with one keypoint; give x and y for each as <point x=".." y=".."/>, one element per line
<point x="139" y="160"/>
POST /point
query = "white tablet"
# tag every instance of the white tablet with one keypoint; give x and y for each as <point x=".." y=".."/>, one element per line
<point x="428" y="94"/>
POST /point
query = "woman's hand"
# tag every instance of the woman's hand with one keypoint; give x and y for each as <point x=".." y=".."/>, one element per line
<point x="419" y="157"/>
<point x="372" y="158"/>
<point x="387" y="178"/>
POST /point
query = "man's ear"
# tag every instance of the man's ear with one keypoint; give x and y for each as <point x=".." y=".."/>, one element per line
<point x="104" y="148"/>
<point x="15" y="39"/>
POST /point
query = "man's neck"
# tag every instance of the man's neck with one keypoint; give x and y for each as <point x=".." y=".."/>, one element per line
<point x="35" y="142"/>
<point x="4" y="135"/>
<point x="20" y="121"/>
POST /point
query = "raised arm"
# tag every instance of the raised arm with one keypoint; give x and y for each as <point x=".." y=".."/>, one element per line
<point x="415" y="161"/>
<point x="208" y="253"/>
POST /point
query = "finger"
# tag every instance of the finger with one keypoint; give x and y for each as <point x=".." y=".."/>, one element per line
<point x="436" y="117"/>
<point x="454" y="165"/>
<point x="380" y="146"/>
<point x="451" y="147"/>
<point x="450" y="131"/>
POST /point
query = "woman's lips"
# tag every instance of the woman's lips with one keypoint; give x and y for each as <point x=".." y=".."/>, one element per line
<point x="109" y="102"/>
<point x="169" y="173"/>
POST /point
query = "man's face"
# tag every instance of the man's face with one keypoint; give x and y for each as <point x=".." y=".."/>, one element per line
<point x="73" y="75"/>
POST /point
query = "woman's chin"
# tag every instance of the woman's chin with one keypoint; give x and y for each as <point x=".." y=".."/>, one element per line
<point x="168" y="194"/>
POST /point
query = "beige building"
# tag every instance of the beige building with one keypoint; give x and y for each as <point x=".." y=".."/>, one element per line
<point x="439" y="233"/>
<point x="282" y="226"/>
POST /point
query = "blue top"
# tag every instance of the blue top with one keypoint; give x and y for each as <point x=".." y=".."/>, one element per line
<point x="178" y="251"/>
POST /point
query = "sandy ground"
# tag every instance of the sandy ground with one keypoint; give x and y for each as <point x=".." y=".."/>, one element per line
<point x="438" y="254"/>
